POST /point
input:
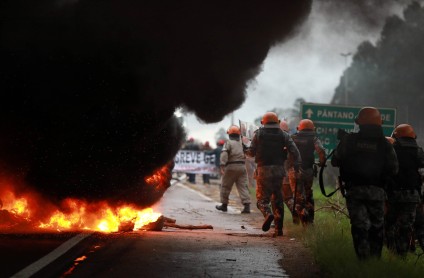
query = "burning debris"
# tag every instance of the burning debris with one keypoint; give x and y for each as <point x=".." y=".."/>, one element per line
<point x="165" y="222"/>
<point x="9" y="220"/>
<point x="77" y="215"/>
<point x="156" y="225"/>
<point x="94" y="217"/>
<point x="31" y="211"/>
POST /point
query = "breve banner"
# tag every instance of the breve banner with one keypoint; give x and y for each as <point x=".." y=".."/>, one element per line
<point x="195" y="162"/>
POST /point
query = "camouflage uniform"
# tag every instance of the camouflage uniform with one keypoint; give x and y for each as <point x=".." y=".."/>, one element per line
<point x="419" y="217"/>
<point x="419" y="224"/>
<point x="268" y="148"/>
<point x="288" y="192"/>
<point x="403" y="195"/>
<point x="307" y="143"/>
<point x="365" y="159"/>
<point x="233" y="161"/>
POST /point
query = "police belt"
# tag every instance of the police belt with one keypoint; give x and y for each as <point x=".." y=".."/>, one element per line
<point x="235" y="162"/>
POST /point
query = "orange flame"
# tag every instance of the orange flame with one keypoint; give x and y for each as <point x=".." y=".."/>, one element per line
<point x="75" y="214"/>
<point x="94" y="216"/>
<point x="16" y="206"/>
<point x="159" y="179"/>
<point x="103" y="219"/>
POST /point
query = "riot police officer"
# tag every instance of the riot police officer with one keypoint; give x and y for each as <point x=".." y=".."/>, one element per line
<point x="403" y="193"/>
<point x="365" y="160"/>
<point x="308" y="144"/>
<point x="269" y="145"/>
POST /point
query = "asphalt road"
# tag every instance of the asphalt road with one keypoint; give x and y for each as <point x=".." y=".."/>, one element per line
<point x="19" y="250"/>
<point x="236" y="247"/>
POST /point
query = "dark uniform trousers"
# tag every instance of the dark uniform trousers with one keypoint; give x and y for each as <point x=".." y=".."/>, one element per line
<point x="400" y="218"/>
<point x="419" y="224"/>
<point x="365" y="204"/>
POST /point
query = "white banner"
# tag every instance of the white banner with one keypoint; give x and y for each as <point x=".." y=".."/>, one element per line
<point x="195" y="162"/>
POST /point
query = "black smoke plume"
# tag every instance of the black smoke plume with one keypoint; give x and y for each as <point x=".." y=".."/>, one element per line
<point x="89" y="87"/>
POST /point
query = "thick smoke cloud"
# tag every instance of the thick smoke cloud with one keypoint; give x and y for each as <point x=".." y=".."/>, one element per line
<point x="370" y="12"/>
<point x="89" y="88"/>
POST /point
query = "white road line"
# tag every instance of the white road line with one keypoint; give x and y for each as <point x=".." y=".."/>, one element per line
<point x="178" y="183"/>
<point x="230" y="208"/>
<point x="49" y="258"/>
<point x="178" y="179"/>
<point x="194" y="191"/>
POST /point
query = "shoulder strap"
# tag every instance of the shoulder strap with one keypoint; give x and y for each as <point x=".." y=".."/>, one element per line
<point x="321" y="179"/>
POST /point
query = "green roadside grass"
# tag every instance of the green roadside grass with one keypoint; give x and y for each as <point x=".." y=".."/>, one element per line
<point x="331" y="244"/>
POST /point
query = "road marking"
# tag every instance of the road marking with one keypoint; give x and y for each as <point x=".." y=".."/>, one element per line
<point x="195" y="191"/>
<point x="231" y="210"/>
<point x="177" y="182"/>
<point x="49" y="258"/>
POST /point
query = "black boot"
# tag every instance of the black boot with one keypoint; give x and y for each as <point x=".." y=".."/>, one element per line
<point x="267" y="223"/>
<point x="246" y="208"/>
<point x="222" y="207"/>
<point x="296" y="219"/>
<point x="278" y="232"/>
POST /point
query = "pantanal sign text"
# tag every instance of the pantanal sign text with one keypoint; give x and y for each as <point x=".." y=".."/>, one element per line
<point x="328" y="119"/>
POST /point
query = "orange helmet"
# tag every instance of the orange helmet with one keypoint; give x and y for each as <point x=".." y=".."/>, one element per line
<point x="234" y="130"/>
<point x="269" y="117"/>
<point x="404" y="130"/>
<point x="221" y="142"/>
<point x="369" y="116"/>
<point x="284" y="126"/>
<point x="390" y="139"/>
<point x="305" y="124"/>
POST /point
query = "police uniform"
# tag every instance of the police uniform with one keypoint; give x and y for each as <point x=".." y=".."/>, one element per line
<point x="419" y="223"/>
<point x="268" y="147"/>
<point x="419" y="217"/>
<point x="365" y="159"/>
<point x="288" y="192"/>
<point x="233" y="160"/>
<point x="308" y="143"/>
<point x="403" y="195"/>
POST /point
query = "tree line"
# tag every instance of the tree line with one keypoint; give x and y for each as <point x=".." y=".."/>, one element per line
<point x="391" y="72"/>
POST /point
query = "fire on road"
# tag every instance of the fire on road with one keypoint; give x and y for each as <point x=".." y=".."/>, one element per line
<point x="235" y="247"/>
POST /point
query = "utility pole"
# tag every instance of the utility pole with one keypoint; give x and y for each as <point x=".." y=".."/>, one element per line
<point x="345" y="55"/>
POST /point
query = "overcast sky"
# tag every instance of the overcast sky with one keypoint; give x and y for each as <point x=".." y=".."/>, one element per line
<point x="309" y="65"/>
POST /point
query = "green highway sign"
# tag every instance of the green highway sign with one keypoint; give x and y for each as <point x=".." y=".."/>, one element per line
<point x="328" y="119"/>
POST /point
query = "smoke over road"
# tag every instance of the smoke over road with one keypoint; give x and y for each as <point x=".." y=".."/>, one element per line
<point x="89" y="88"/>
